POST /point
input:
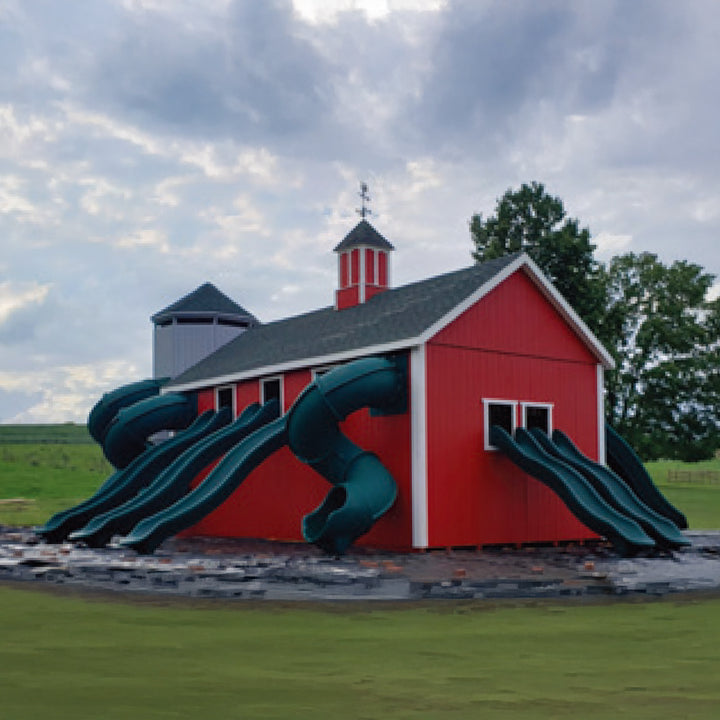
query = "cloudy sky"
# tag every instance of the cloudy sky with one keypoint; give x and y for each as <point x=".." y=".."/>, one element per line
<point x="148" y="146"/>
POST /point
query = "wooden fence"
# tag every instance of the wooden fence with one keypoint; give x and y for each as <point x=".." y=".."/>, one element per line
<point x="699" y="477"/>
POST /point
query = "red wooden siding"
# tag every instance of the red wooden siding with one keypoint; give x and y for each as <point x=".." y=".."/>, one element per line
<point x="511" y="346"/>
<point x="354" y="267"/>
<point x="370" y="266"/>
<point x="383" y="269"/>
<point x="344" y="270"/>
<point x="270" y="503"/>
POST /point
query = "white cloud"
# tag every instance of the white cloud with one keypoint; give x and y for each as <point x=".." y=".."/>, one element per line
<point x="146" y="238"/>
<point x="17" y="296"/>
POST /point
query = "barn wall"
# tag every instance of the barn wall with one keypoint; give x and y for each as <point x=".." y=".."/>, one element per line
<point x="510" y="346"/>
<point x="271" y="502"/>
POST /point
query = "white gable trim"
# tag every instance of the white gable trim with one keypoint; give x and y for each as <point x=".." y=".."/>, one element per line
<point x="525" y="263"/>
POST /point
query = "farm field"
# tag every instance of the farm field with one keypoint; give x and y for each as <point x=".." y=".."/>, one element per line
<point x="68" y="657"/>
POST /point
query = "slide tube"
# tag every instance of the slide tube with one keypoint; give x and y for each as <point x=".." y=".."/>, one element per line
<point x="364" y="489"/>
<point x="127" y="436"/>
<point x="112" y="402"/>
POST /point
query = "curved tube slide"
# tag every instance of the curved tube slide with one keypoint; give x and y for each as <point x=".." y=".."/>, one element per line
<point x="627" y="465"/>
<point x="613" y="490"/>
<point x="212" y="492"/>
<point x="574" y="490"/>
<point x="364" y="489"/>
<point x="174" y="482"/>
<point x="128" y="433"/>
<point x="111" y="403"/>
<point x="124" y="484"/>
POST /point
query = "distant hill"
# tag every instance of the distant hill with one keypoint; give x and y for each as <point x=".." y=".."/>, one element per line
<point x="64" y="434"/>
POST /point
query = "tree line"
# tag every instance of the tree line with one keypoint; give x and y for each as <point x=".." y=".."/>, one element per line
<point x="654" y="318"/>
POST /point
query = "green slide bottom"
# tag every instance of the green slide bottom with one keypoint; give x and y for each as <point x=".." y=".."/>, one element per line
<point x="174" y="482"/>
<point x="126" y="483"/>
<point x="613" y="490"/>
<point x="578" y="494"/>
<point x="363" y="489"/>
<point x="626" y="464"/>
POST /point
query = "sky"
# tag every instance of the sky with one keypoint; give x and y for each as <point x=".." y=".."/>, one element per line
<point x="149" y="146"/>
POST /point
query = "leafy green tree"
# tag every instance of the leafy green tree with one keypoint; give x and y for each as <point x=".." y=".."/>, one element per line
<point x="531" y="220"/>
<point x="664" y="394"/>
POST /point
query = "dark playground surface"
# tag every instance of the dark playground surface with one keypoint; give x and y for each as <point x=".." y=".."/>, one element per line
<point x="263" y="570"/>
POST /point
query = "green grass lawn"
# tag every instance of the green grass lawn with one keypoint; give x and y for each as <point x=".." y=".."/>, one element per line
<point x="54" y="476"/>
<point x="64" y="657"/>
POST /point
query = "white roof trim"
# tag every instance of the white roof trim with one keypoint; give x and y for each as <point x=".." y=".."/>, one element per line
<point x="524" y="262"/>
<point x="300" y="364"/>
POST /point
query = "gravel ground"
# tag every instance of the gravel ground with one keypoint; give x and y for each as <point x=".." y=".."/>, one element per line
<point x="255" y="569"/>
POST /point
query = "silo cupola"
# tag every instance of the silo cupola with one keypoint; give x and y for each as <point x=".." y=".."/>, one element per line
<point x="194" y="327"/>
<point x="363" y="265"/>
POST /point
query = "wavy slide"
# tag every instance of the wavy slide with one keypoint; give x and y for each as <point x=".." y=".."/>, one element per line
<point x="627" y="465"/>
<point x="613" y="490"/>
<point x="363" y="488"/>
<point x="574" y="490"/>
<point x="126" y="483"/>
<point x="174" y="482"/>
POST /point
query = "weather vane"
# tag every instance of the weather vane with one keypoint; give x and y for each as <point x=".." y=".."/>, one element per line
<point x="365" y="197"/>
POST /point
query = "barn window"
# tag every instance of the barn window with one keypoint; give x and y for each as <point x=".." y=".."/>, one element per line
<point x="271" y="388"/>
<point x="537" y="415"/>
<point x="225" y="397"/>
<point x="498" y="412"/>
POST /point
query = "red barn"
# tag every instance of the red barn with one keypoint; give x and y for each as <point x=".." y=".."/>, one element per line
<point x="490" y="344"/>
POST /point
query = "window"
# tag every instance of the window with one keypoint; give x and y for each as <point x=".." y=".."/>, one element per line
<point x="537" y="415"/>
<point x="225" y="397"/>
<point x="498" y="412"/>
<point x="271" y="388"/>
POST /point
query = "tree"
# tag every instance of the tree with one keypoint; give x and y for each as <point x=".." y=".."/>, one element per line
<point x="531" y="220"/>
<point x="664" y="394"/>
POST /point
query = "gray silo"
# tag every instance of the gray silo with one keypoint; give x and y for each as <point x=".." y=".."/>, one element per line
<point x="194" y="327"/>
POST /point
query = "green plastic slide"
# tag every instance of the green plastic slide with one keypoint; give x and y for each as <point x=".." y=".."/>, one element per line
<point x="174" y="482"/>
<point x="212" y="492"/>
<point x="363" y="488"/>
<point x="613" y="490"/>
<point x="627" y="465"/>
<point x="127" y="483"/>
<point x="573" y="489"/>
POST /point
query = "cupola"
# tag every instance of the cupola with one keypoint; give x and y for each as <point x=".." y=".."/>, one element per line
<point x="194" y="327"/>
<point x="363" y="265"/>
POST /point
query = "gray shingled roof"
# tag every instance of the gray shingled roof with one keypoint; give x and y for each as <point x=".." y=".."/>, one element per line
<point x="389" y="317"/>
<point x="363" y="234"/>
<point x="206" y="299"/>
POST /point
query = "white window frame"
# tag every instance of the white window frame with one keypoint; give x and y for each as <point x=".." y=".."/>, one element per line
<point x="544" y="405"/>
<point x="233" y="392"/>
<point x="281" y="398"/>
<point x="487" y="402"/>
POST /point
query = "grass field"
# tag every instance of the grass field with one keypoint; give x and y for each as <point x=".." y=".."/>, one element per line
<point x="64" y="657"/>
